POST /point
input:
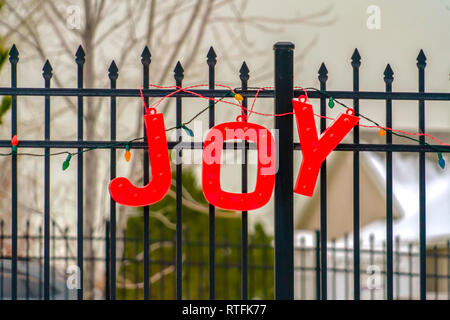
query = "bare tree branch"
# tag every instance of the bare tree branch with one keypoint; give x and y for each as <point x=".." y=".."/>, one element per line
<point x="200" y="34"/>
<point x="151" y="21"/>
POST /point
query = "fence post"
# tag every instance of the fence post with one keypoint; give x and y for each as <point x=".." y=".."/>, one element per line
<point x="179" y="75"/>
<point x="421" y="64"/>
<point x="80" y="60"/>
<point x="113" y="74"/>
<point x="14" y="59"/>
<point x="284" y="205"/>
<point x="146" y="60"/>
<point x="47" y="74"/>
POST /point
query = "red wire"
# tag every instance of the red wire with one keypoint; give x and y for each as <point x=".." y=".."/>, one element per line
<point x="407" y="133"/>
<point x="209" y="98"/>
<point x="250" y="110"/>
<point x="143" y="100"/>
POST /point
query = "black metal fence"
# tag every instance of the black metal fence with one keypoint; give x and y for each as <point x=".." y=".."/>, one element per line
<point x="284" y="206"/>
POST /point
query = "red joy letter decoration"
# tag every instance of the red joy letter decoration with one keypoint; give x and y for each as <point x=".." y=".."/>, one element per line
<point x="315" y="150"/>
<point x="121" y="189"/>
<point x="212" y="153"/>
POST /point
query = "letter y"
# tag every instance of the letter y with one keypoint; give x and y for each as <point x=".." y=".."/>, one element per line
<point x="315" y="150"/>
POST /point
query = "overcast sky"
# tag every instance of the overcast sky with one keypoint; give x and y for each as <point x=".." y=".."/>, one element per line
<point x="406" y="27"/>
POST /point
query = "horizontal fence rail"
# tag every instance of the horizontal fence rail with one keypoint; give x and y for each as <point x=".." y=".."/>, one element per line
<point x="217" y="93"/>
<point x="158" y="262"/>
<point x="65" y="144"/>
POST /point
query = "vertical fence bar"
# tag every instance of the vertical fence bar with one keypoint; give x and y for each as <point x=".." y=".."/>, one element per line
<point x="53" y="265"/>
<point x="66" y="259"/>
<point x="14" y="59"/>
<point x="93" y="240"/>
<point x="200" y="265"/>
<point x="388" y="78"/>
<point x="346" y="249"/>
<point x="135" y="260"/>
<point x="384" y="253"/>
<point x="334" y="267"/>
<point x="436" y="272"/>
<point x="47" y="74"/>
<point x="421" y="63"/>
<point x="179" y="75"/>
<point x="162" y="261"/>
<point x="266" y="266"/>
<point x="1" y="260"/>
<point x="371" y="250"/>
<point x="27" y="261"/>
<point x="124" y="265"/>
<point x="323" y="77"/>
<point x="304" y="267"/>
<point x="253" y="268"/>
<point x="107" y="261"/>
<point x="40" y="262"/>
<point x="284" y="204"/>
<point x="356" y="63"/>
<point x="410" y="271"/>
<point x="187" y="263"/>
<point x="397" y="267"/>
<point x="80" y="59"/>
<point x="145" y="60"/>
<point x="113" y="74"/>
<point x="211" y="61"/>
<point x="448" y="269"/>
<point x="226" y="265"/>
<point x="244" y="76"/>
<point x="173" y="255"/>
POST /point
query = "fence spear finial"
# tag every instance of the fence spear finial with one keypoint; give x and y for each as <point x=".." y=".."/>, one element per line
<point x="80" y="55"/>
<point x="244" y="72"/>
<point x="178" y="72"/>
<point x="14" y="54"/>
<point x="146" y="56"/>
<point x="211" y="57"/>
<point x="113" y="71"/>
<point x="421" y="59"/>
<point x="323" y="73"/>
<point x="388" y="74"/>
<point x="356" y="59"/>
<point x="47" y="70"/>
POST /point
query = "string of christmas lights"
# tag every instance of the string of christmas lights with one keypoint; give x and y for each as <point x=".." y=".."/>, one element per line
<point x="239" y="98"/>
<point x="382" y="130"/>
<point x="127" y="145"/>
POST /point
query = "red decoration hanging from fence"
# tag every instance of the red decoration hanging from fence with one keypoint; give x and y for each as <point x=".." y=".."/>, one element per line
<point x="212" y="154"/>
<point x="315" y="150"/>
<point x="124" y="192"/>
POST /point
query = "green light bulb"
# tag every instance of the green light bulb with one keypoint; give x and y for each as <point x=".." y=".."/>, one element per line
<point x="66" y="162"/>
<point x="331" y="102"/>
<point x="441" y="160"/>
<point x="188" y="131"/>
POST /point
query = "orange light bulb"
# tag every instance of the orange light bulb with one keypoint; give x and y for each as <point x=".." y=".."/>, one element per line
<point x="127" y="155"/>
<point x="382" y="132"/>
<point x="238" y="97"/>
